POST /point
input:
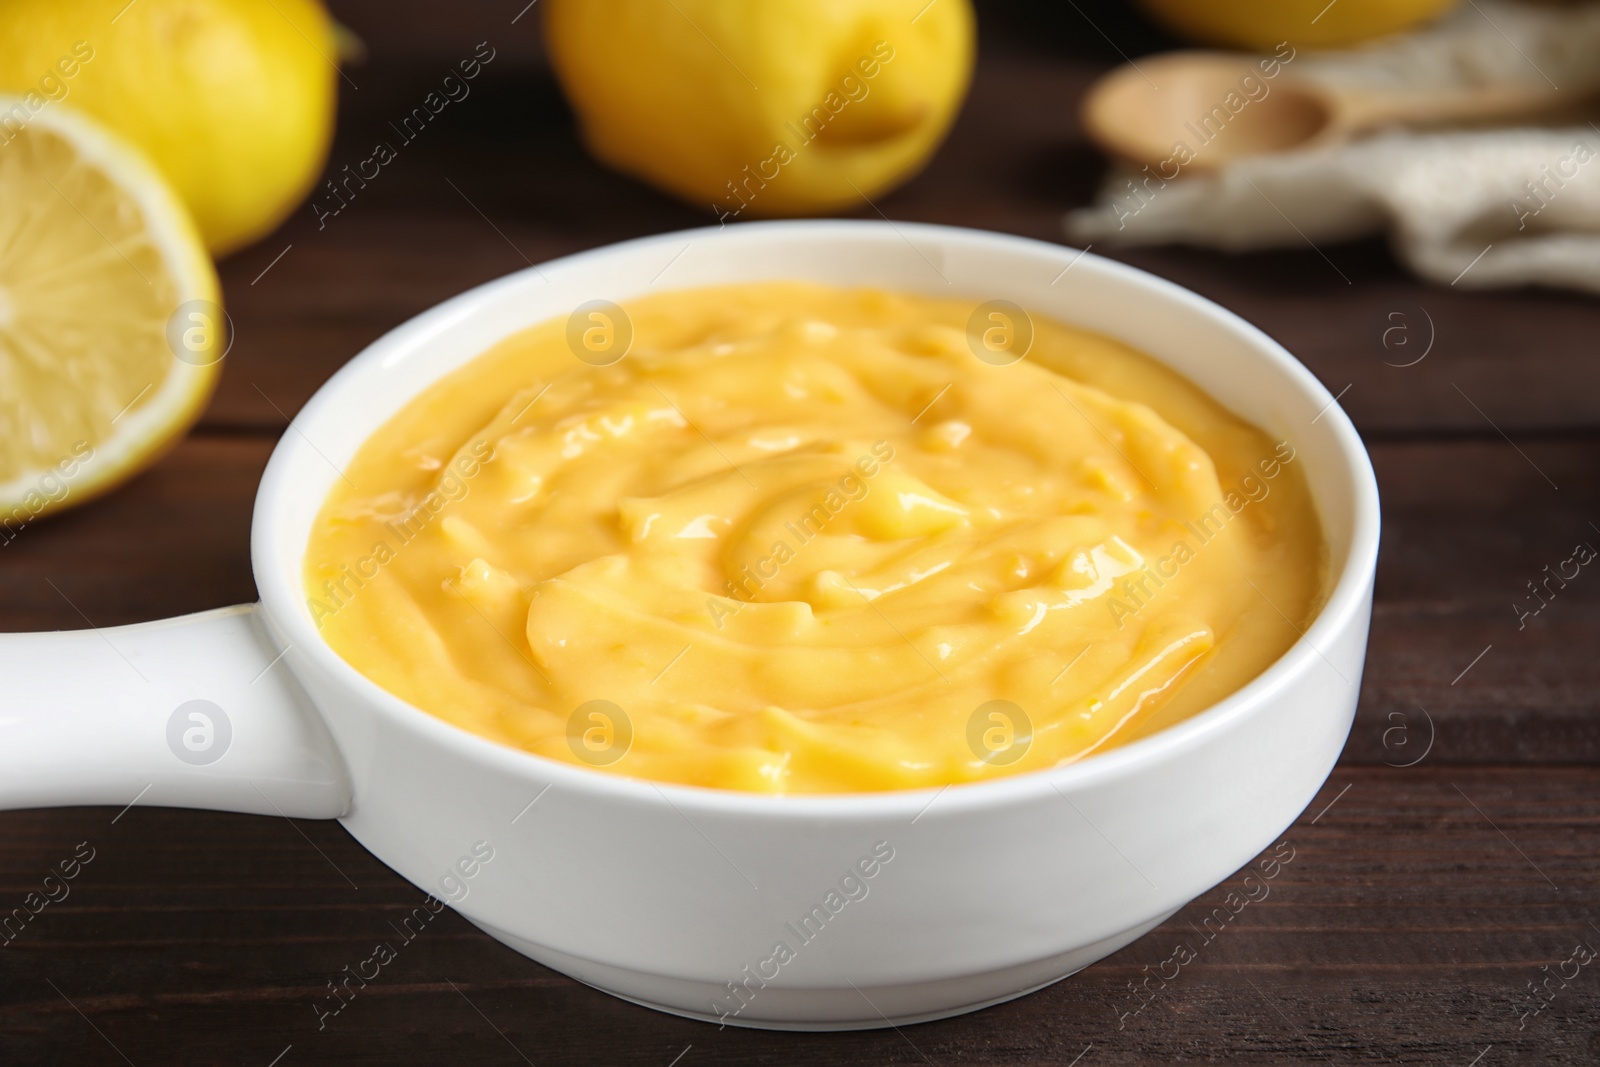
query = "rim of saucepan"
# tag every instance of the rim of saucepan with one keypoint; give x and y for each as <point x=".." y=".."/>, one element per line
<point x="1345" y="600"/>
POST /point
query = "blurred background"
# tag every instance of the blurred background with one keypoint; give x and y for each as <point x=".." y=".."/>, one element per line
<point x="436" y="180"/>
<point x="1016" y="160"/>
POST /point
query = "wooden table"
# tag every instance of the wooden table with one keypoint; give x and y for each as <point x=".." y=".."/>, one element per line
<point x="1421" y="902"/>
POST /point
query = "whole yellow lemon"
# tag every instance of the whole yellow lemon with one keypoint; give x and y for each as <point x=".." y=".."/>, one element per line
<point x="233" y="100"/>
<point x="1261" y="24"/>
<point x="773" y="107"/>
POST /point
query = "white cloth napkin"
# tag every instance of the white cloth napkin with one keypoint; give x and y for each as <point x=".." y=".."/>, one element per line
<point x="1477" y="208"/>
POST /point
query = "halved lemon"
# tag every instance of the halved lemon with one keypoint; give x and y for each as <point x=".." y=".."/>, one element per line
<point x="111" y="334"/>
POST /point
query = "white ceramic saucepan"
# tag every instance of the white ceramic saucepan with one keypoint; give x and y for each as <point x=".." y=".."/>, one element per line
<point x="892" y="907"/>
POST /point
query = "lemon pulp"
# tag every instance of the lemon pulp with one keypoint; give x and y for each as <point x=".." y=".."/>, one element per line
<point x="96" y="257"/>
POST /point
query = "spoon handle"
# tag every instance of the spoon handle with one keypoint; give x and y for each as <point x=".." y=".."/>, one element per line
<point x="1359" y="110"/>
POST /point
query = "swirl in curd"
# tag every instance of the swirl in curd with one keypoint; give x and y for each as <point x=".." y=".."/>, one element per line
<point x="803" y="540"/>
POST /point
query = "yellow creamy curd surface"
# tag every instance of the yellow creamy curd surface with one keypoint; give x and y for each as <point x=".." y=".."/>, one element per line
<point x="803" y="540"/>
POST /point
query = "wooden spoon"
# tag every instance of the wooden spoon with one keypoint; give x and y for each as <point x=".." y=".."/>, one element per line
<point x="1201" y="110"/>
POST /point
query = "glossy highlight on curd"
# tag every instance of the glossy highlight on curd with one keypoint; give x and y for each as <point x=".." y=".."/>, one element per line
<point x="796" y="539"/>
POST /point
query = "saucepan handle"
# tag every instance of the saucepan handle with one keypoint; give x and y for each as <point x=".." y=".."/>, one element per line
<point x="193" y="712"/>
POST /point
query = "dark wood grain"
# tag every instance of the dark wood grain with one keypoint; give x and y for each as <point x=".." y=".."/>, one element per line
<point x="1404" y="930"/>
<point x="1421" y="900"/>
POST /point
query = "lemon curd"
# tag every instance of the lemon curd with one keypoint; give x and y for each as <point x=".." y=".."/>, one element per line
<point x="809" y="540"/>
